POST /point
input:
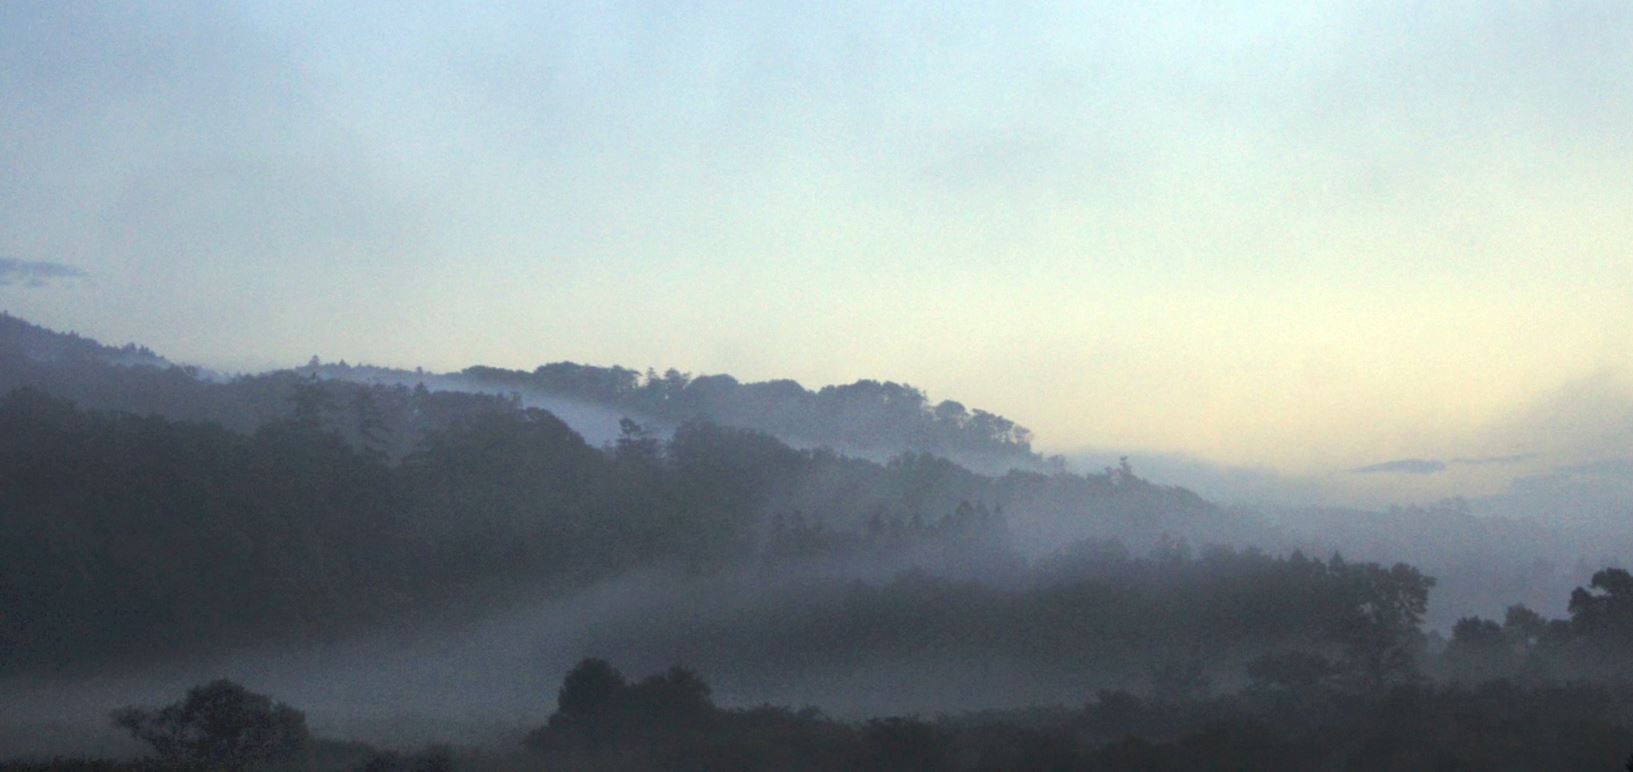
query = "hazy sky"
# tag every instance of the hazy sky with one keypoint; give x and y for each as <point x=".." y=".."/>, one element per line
<point x="1302" y="235"/>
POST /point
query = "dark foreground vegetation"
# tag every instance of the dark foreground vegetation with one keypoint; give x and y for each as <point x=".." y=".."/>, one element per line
<point x="1289" y="717"/>
<point x="667" y="721"/>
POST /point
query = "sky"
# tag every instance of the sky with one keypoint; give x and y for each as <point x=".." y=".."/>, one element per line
<point x="1303" y="237"/>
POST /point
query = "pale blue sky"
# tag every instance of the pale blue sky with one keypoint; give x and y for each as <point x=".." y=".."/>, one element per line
<point x="1301" y="235"/>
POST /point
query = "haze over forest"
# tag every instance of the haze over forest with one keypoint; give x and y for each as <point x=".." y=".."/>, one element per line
<point x="636" y="387"/>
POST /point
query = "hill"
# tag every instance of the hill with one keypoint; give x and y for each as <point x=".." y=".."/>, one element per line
<point x="872" y="418"/>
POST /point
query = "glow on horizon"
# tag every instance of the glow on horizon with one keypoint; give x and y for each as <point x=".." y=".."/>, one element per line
<point x="1306" y="238"/>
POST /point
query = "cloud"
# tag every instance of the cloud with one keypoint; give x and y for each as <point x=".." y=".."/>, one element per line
<point x="1608" y="467"/>
<point x="1484" y="460"/>
<point x="35" y="273"/>
<point x="1404" y="466"/>
<point x="1435" y="465"/>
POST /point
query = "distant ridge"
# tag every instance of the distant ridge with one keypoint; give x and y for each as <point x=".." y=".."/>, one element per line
<point x="39" y="344"/>
<point x="864" y="416"/>
<point x="870" y="417"/>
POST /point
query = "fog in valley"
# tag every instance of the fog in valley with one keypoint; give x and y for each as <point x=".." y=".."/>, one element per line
<point x="489" y="547"/>
<point x="901" y="387"/>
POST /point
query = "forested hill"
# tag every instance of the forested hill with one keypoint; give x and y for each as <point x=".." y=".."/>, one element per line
<point x="22" y="339"/>
<point x="231" y="509"/>
<point x="875" y="418"/>
<point x="136" y="536"/>
<point x="868" y="416"/>
<point x="1483" y="563"/>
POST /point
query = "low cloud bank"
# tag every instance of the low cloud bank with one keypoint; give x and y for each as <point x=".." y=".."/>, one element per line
<point x="35" y="273"/>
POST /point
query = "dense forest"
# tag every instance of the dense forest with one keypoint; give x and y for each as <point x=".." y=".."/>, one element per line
<point x="132" y="534"/>
<point x="1046" y="619"/>
<point x="864" y="415"/>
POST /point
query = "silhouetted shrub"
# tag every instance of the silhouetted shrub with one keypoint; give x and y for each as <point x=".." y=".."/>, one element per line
<point x="220" y="724"/>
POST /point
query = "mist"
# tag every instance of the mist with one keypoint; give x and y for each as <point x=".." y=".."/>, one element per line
<point x="779" y="572"/>
<point x="860" y="387"/>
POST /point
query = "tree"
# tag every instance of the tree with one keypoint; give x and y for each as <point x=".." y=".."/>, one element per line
<point x="673" y="696"/>
<point x="371" y="424"/>
<point x="590" y="689"/>
<point x="597" y="711"/>
<point x="1289" y="670"/>
<point x="220" y="724"/>
<point x="1479" y="650"/>
<point x="1523" y="627"/>
<point x="1378" y="620"/>
<point x="1605" y="607"/>
<point x="585" y="708"/>
<point x="635" y="443"/>
<point x="904" y="744"/>
<point x="310" y="403"/>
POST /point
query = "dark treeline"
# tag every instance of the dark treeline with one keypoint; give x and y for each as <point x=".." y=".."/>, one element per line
<point x="1484" y="562"/>
<point x="667" y="721"/>
<point x="604" y="722"/>
<point x="1087" y="618"/>
<point x="1596" y="641"/>
<point x="865" y="414"/>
